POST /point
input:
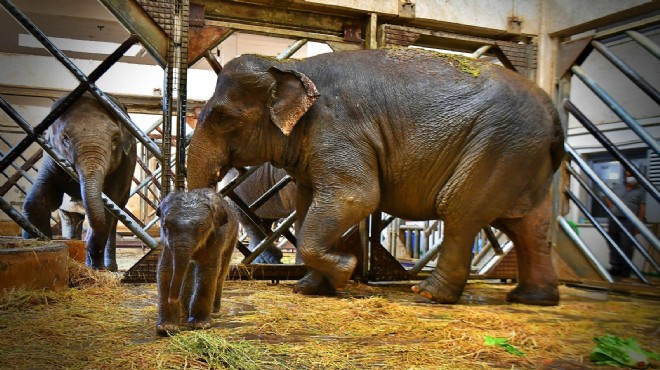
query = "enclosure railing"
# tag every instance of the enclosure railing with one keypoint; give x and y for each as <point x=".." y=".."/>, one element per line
<point x="585" y="176"/>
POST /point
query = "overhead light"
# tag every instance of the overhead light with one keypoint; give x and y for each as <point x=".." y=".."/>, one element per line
<point x="80" y="46"/>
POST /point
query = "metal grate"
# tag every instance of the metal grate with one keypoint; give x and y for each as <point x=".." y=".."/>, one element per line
<point x="162" y="11"/>
<point x="144" y="271"/>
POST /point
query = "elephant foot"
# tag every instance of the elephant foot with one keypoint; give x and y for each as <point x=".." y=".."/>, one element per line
<point x="271" y="255"/>
<point x="342" y="272"/>
<point x="439" y="289"/>
<point x="537" y="296"/>
<point x="167" y="329"/>
<point x="314" y="283"/>
<point x="112" y="267"/>
<point x="200" y="324"/>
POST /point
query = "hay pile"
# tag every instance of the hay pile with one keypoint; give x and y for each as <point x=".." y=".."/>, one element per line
<point x="109" y="326"/>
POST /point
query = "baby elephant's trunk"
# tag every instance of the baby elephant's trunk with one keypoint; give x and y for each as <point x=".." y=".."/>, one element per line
<point x="180" y="262"/>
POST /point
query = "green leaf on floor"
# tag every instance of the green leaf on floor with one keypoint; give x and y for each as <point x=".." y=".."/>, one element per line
<point x="504" y="343"/>
<point x="614" y="351"/>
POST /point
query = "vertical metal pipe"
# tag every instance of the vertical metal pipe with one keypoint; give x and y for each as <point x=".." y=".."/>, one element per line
<point x="645" y="42"/>
<point x="635" y="77"/>
<point x="617" y="109"/>
<point x="610" y="194"/>
<point x="615" y="219"/>
<point x="7" y="208"/>
<point x="606" y="235"/>
<point x="166" y="143"/>
<point x="607" y="144"/>
<point x="182" y="97"/>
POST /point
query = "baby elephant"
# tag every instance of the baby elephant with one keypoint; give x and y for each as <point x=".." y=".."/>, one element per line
<point x="198" y="233"/>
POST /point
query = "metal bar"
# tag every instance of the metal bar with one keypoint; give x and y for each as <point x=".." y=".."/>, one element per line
<point x="146" y="169"/>
<point x="426" y="258"/>
<point x="584" y="249"/>
<point x="165" y="161"/>
<point x="64" y="103"/>
<point x="272" y="191"/>
<point x="617" y="109"/>
<point x="26" y="175"/>
<point x="493" y="241"/>
<point x="7" y="208"/>
<point x="605" y="235"/>
<point x="645" y="42"/>
<point x="23" y="169"/>
<point x="610" y="194"/>
<point x="629" y="72"/>
<point x="137" y="21"/>
<point x="612" y="149"/>
<point x="611" y="215"/>
<point x="144" y="197"/>
<point x="291" y="49"/>
<point x="243" y="174"/>
<point x="217" y="67"/>
<point x="68" y="168"/>
<point x="181" y="22"/>
<point x="481" y="51"/>
<point x="17" y="175"/>
<point x="270" y="238"/>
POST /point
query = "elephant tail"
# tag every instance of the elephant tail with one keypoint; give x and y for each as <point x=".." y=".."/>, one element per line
<point x="557" y="151"/>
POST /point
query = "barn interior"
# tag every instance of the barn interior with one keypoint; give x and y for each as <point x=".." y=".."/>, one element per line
<point x="597" y="60"/>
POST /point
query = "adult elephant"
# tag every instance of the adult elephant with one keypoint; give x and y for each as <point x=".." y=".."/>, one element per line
<point x="413" y="133"/>
<point x="104" y="154"/>
<point x="278" y="206"/>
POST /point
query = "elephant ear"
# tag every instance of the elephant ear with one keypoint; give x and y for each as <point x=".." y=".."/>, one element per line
<point x="217" y="209"/>
<point x="290" y="97"/>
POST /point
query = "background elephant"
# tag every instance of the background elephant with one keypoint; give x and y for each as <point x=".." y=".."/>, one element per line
<point x="279" y="206"/>
<point x="413" y="133"/>
<point x="104" y="154"/>
<point x="198" y="234"/>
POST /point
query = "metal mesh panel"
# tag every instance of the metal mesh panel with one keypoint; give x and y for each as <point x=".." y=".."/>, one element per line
<point x="144" y="271"/>
<point x="162" y="11"/>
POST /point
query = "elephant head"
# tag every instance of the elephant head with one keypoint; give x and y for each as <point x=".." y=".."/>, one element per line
<point x="189" y="220"/>
<point x="246" y="122"/>
<point x="95" y="143"/>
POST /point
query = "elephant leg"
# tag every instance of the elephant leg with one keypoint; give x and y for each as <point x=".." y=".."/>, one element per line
<point x="96" y="242"/>
<point x="329" y="216"/>
<point x="537" y="279"/>
<point x="447" y="281"/>
<point x="204" y="291"/>
<point x="43" y="198"/>
<point x="110" y="250"/>
<point x="169" y="314"/>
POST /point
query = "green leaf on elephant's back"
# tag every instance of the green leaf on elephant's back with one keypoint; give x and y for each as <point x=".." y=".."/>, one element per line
<point x="504" y="343"/>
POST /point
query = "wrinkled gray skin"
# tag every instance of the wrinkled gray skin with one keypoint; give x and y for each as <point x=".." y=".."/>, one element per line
<point x="404" y="131"/>
<point x="198" y="234"/>
<point x="103" y="153"/>
<point x="279" y="206"/>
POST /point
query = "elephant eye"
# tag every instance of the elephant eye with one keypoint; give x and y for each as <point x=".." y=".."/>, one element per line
<point x="66" y="141"/>
<point x="115" y="141"/>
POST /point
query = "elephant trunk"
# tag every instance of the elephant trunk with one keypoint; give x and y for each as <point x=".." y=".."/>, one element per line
<point x="207" y="161"/>
<point x="92" y="175"/>
<point x="181" y="256"/>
